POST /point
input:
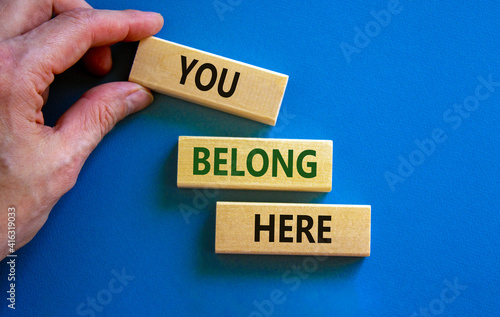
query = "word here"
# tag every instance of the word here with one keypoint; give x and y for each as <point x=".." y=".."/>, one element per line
<point x="296" y="229"/>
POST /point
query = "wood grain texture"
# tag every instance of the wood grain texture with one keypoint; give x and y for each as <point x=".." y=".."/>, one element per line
<point x="252" y="163"/>
<point x="337" y="230"/>
<point x="160" y="65"/>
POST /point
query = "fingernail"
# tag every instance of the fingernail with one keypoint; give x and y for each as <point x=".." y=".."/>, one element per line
<point x="154" y="14"/>
<point x="138" y="100"/>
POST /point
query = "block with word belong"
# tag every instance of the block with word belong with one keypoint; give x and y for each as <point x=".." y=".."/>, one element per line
<point x="251" y="163"/>
<point x="209" y="80"/>
<point x="295" y="229"/>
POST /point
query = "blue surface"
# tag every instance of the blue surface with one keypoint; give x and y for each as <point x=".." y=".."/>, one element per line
<point x="438" y="224"/>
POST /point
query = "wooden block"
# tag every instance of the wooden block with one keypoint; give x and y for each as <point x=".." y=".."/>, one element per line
<point x="210" y="80"/>
<point x="295" y="229"/>
<point x="249" y="163"/>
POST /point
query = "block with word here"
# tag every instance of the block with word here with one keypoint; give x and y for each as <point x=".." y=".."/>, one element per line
<point x="295" y="229"/>
<point x="251" y="163"/>
<point x="210" y="80"/>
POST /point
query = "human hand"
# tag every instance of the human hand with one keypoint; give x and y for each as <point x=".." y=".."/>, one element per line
<point x="39" y="164"/>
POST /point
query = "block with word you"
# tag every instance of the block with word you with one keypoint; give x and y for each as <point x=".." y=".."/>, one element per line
<point x="210" y="80"/>
<point x="294" y="229"/>
<point x="253" y="163"/>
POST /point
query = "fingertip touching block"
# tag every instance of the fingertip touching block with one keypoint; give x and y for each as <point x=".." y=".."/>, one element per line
<point x="210" y="80"/>
<point x="294" y="229"/>
<point x="254" y="163"/>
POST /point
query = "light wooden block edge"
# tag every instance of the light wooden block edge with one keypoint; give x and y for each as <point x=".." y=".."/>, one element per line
<point x="266" y="187"/>
<point x="269" y="120"/>
<point x="344" y="254"/>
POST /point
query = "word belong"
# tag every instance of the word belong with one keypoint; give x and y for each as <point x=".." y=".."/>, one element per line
<point x="255" y="164"/>
<point x="276" y="160"/>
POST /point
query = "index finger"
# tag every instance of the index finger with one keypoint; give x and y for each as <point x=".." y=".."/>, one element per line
<point x="59" y="43"/>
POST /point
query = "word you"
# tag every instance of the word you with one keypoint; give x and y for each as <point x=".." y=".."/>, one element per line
<point x="213" y="77"/>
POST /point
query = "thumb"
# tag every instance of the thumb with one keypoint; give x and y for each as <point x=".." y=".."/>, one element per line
<point x="85" y="124"/>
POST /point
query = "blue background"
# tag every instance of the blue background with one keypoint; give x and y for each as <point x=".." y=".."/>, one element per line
<point x="440" y="223"/>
